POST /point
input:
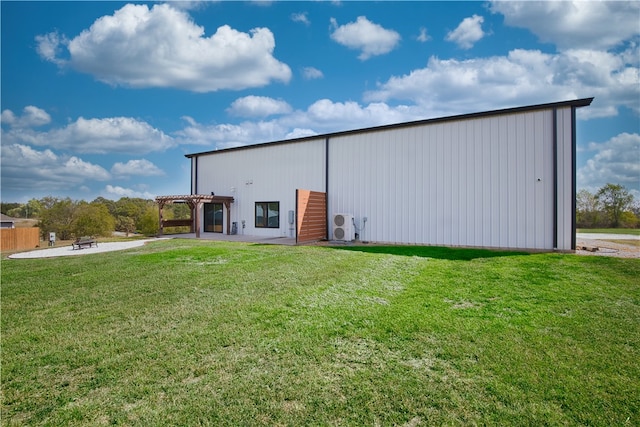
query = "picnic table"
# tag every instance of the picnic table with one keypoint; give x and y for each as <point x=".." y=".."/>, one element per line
<point x="83" y="242"/>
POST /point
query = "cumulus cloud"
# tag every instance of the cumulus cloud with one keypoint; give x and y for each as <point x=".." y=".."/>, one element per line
<point x="27" y="169"/>
<point x="162" y="47"/>
<point x="258" y="106"/>
<point x="49" y="47"/>
<point x="323" y="116"/>
<point x="31" y="117"/>
<point x="117" y="192"/>
<point x="311" y="73"/>
<point x="468" y="32"/>
<point x="230" y="135"/>
<point x="574" y="24"/>
<point x="371" y="39"/>
<point x="140" y="167"/>
<point x="522" y="77"/>
<point x="98" y="136"/>
<point x="614" y="161"/>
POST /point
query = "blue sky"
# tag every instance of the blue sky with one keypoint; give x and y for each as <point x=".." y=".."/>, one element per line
<point x="106" y="98"/>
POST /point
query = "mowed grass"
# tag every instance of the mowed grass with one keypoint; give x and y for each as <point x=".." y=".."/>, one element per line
<point x="187" y="332"/>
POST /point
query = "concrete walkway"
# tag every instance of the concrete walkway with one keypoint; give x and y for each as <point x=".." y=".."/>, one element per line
<point x="117" y="246"/>
<point x="288" y="241"/>
<point x="603" y="236"/>
<point x="69" y="251"/>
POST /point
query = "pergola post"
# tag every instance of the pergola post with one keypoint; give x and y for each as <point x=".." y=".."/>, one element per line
<point x="197" y="215"/>
<point x="160" y="219"/>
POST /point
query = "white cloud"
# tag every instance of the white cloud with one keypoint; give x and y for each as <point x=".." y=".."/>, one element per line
<point x="163" y="47"/>
<point x="522" y="77"/>
<point x="615" y="161"/>
<point x="423" y="36"/>
<point x="468" y="32"/>
<point x="574" y="24"/>
<point x="27" y="169"/>
<point x="230" y="135"/>
<point x="188" y="5"/>
<point x="141" y="167"/>
<point x="31" y="117"/>
<point x="117" y="192"/>
<point x="49" y="47"/>
<point x="322" y="116"/>
<point x="258" y="106"/>
<point x="310" y="73"/>
<point x="300" y="17"/>
<point x="109" y="135"/>
<point x="371" y="39"/>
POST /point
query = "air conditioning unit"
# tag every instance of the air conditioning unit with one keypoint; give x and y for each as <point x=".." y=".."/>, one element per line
<point x="342" y="225"/>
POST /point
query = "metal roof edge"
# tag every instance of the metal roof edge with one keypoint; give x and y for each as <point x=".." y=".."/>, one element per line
<point x="581" y="102"/>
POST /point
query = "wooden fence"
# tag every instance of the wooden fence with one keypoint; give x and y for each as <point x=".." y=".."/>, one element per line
<point x="311" y="213"/>
<point x="15" y="239"/>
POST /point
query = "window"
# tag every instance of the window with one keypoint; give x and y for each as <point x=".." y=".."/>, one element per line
<point x="267" y="214"/>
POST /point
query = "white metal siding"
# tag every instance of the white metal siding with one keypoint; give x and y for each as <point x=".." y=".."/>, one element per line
<point x="263" y="174"/>
<point x="475" y="182"/>
<point x="565" y="179"/>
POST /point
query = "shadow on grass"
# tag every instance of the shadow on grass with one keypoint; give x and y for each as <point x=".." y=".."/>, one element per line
<point x="438" y="252"/>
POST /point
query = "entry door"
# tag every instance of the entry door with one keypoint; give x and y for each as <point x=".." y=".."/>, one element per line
<point x="213" y="217"/>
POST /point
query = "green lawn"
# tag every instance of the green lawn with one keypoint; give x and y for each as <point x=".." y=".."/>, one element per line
<point x="187" y="332"/>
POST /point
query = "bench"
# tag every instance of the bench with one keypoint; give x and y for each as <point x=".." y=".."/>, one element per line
<point x="83" y="242"/>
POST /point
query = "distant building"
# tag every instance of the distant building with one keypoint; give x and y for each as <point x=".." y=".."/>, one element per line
<point x="7" y="221"/>
<point x="499" y="179"/>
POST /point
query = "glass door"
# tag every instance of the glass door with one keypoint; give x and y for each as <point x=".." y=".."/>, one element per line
<point x="213" y="217"/>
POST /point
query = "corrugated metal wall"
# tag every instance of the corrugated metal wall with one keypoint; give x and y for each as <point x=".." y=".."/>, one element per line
<point x="566" y="176"/>
<point x="485" y="181"/>
<point x="263" y="174"/>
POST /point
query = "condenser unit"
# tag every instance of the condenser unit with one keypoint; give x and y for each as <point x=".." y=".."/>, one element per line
<point x="342" y="225"/>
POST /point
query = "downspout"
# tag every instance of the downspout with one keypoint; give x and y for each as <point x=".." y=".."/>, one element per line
<point x="555" y="178"/>
<point x="194" y="176"/>
<point x="326" y="183"/>
<point x="573" y="178"/>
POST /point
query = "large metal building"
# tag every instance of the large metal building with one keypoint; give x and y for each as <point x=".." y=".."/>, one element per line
<point x="498" y="179"/>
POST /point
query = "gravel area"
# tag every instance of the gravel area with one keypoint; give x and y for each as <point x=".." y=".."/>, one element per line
<point x="598" y="245"/>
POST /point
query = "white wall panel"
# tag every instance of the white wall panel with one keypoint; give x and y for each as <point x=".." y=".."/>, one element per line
<point x="263" y="174"/>
<point x="565" y="179"/>
<point x="477" y="182"/>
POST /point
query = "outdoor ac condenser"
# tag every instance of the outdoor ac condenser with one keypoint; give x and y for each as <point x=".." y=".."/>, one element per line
<point x="342" y="225"/>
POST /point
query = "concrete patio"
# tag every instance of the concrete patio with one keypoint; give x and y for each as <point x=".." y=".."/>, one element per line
<point x="288" y="241"/>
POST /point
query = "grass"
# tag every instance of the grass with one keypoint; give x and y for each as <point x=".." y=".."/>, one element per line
<point x="633" y="231"/>
<point x="188" y="332"/>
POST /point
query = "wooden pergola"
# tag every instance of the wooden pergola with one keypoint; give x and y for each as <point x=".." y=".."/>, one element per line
<point x="194" y="201"/>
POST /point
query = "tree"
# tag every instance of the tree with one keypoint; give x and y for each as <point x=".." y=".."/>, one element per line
<point x="126" y="224"/>
<point x="587" y="209"/>
<point x="615" y="200"/>
<point x="92" y="220"/>
<point x="6" y="207"/>
<point x="149" y="224"/>
<point x="31" y="209"/>
<point x="57" y="216"/>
